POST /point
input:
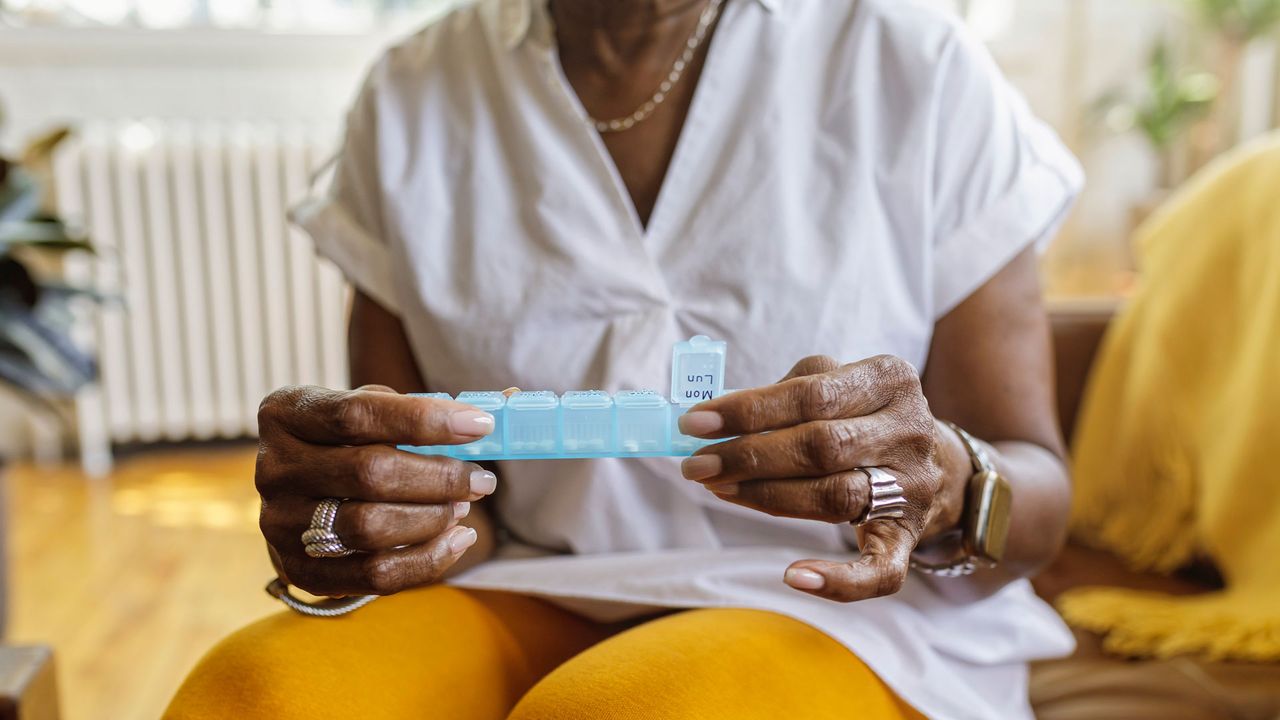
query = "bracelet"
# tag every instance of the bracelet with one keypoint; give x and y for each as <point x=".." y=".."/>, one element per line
<point x="961" y="568"/>
<point x="327" y="608"/>
<point x="955" y="563"/>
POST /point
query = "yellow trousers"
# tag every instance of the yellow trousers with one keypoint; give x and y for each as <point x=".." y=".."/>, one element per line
<point x="465" y="655"/>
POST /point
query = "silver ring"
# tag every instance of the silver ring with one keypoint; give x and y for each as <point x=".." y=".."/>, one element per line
<point x="887" y="496"/>
<point x="319" y="540"/>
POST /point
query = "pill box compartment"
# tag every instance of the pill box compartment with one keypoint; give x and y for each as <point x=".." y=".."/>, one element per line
<point x="492" y="403"/>
<point x="589" y="424"/>
<point x="644" y="421"/>
<point x="533" y="423"/>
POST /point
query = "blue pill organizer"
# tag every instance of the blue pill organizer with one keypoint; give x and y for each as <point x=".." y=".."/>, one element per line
<point x="540" y="425"/>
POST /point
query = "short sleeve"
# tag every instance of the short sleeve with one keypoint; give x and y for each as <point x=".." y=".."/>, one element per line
<point x="1001" y="179"/>
<point x="346" y="223"/>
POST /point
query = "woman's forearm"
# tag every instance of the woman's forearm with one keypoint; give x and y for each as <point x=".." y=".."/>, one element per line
<point x="1041" y="505"/>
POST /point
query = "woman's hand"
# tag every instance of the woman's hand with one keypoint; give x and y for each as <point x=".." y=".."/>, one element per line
<point x="402" y="509"/>
<point x="799" y="446"/>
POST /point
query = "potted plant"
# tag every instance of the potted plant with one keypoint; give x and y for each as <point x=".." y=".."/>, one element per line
<point x="38" y="361"/>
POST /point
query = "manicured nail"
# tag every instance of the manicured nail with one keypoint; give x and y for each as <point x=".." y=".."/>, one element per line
<point x="483" y="482"/>
<point x="701" y="467"/>
<point x="461" y="538"/>
<point x="701" y="423"/>
<point x="801" y="579"/>
<point x="461" y="510"/>
<point x="472" y="423"/>
<point x="725" y="490"/>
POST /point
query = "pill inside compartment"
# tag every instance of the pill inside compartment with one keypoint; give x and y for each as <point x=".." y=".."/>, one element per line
<point x="644" y="419"/>
<point x="590" y="425"/>
<point x="491" y="445"/>
<point x="533" y="423"/>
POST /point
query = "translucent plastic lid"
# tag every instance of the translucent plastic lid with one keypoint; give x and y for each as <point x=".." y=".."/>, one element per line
<point x="489" y="400"/>
<point x="697" y="370"/>
<point x="586" y="400"/>
<point x="533" y="400"/>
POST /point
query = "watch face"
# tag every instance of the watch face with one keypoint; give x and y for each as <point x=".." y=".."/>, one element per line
<point x="990" y="503"/>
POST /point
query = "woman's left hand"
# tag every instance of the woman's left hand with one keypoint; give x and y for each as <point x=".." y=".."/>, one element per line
<point x="798" y="446"/>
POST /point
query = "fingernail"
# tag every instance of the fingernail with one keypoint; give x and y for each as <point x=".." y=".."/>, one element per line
<point x="725" y="490"/>
<point x="472" y="423"/>
<point x="483" y="482"/>
<point x="801" y="579"/>
<point x="461" y="538"/>
<point x="701" y="467"/>
<point x="701" y="423"/>
<point x="461" y="510"/>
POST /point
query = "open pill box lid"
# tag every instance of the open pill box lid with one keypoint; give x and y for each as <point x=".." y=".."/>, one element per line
<point x="697" y="370"/>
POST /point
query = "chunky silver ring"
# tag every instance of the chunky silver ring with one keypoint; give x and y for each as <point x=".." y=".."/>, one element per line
<point x="887" y="496"/>
<point x="319" y="540"/>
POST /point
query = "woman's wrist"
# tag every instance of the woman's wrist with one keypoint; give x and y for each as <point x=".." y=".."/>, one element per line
<point x="957" y="470"/>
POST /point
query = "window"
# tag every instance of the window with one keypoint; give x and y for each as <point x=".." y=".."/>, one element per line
<point x="267" y="15"/>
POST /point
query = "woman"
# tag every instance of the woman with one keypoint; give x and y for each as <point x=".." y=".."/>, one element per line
<point x="550" y="195"/>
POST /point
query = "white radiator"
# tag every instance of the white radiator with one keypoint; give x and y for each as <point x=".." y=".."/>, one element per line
<point x="222" y="300"/>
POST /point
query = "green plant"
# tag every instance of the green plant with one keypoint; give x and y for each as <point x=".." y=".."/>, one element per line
<point x="1238" y="20"/>
<point x="37" y="357"/>
<point x="1233" y="25"/>
<point x="1170" y="101"/>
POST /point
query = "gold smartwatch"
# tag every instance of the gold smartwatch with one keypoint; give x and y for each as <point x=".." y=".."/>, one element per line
<point x="985" y="527"/>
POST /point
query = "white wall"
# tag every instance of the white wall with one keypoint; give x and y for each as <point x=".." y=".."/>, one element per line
<point x="51" y="76"/>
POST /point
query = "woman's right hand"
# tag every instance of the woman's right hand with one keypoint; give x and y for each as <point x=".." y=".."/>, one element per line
<point x="401" y="511"/>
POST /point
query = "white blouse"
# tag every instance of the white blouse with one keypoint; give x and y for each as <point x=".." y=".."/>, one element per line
<point x="848" y="173"/>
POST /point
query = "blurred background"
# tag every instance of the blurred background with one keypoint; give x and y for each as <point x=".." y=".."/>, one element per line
<point x="152" y="292"/>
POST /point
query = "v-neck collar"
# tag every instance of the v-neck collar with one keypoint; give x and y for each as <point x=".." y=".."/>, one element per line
<point x="650" y="235"/>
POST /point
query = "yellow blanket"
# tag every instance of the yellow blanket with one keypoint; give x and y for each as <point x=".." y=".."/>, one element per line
<point x="1178" y="451"/>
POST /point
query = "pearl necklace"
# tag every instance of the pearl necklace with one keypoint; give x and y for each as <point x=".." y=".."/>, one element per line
<point x="705" y="21"/>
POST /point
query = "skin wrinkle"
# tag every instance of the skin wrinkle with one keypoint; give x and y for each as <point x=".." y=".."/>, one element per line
<point x="368" y="471"/>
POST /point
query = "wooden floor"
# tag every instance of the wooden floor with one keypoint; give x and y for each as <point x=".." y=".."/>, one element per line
<point x="131" y="578"/>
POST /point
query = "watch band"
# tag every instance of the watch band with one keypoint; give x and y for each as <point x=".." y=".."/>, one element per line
<point x="977" y="453"/>
<point x="968" y="562"/>
<point x="960" y="568"/>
